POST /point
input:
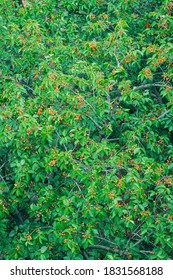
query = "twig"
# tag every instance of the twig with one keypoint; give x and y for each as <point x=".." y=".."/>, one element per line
<point x="137" y="11"/>
<point x="3" y="180"/>
<point x="134" y="234"/>
<point x="89" y="105"/>
<point x="139" y="241"/>
<point x="105" y="248"/>
<point x="86" y="103"/>
<point x="84" y="254"/>
<point x="109" y="103"/>
<point x="148" y="252"/>
<point x="120" y="149"/>
<point x="80" y="189"/>
<point x="98" y="126"/>
<point x="117" y="61"/>
<point x="8" y="175"/>
<point x="112" y="140"/>
<point x="40" y="228"/>
<point x="104" y="239"/>
<point x="3" y="164"/>
<point x="165" y="113"/>
<point x="149" y="85"/>
<point x="65" y="147"/>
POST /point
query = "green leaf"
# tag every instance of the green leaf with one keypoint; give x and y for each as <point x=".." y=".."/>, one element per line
<point x="43" y="249"/>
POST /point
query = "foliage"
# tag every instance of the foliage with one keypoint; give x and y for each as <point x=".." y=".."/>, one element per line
<point x="86" y="131"/>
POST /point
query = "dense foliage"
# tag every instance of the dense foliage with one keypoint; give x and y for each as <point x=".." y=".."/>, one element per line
<point x="86" y="130"/>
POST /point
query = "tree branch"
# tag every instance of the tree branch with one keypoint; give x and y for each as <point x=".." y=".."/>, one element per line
<point x="104" y="239"/>
<point x="3" y="164"/>
<point x="148" y="85"/>
<point x="105" y="248"/>
<point x="98" y="126"/>
<point x="140" y="240"/>
<point x="79" y="189"/>
<point x="165" y="113"/>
